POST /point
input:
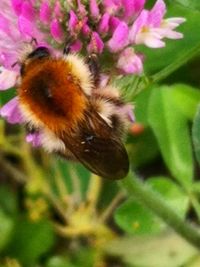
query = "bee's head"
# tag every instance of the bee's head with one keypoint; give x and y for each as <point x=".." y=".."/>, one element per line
<point x="39" y="53"/>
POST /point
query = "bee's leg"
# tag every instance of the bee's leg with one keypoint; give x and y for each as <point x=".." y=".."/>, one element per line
<point x="93" y="63"/>
<point x="68" y="43"/>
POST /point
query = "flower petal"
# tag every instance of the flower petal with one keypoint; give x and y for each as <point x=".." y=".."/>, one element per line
<point x="132" y="8"/>
<point x="104" y="24"/>
<point x="94" y="9"/>
<point x="7" y="78"/>
<point x="17" y="4"/>
<point x="157" y="13"/>
<point x="11" y="112"/>
<point x="120" y="38"/>
<point x="129" y="62"/>
<point x="27" y="11"/>
<point x="56" y="30"/>
<point x="45" y="12"/>
<point x="76" y="46"/>
<point x="34" y="139"/>
<point x="73" y="21"/>
<point x="57" y="11"/>
<point x="96" y="44"/>
<point x="140" y="22"/>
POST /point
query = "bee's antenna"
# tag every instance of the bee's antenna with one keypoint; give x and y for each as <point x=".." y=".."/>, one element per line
<point x="34" y="41"/>
<point x="15" y="63"/>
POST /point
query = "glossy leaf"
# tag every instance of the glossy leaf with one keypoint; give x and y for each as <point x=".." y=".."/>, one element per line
<point x="186" y="98"/>
<point x="171" y="130"/>
<point x="135" y="219"/>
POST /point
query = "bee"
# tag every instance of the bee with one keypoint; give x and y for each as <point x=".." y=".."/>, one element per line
<point x="60" y="97"/>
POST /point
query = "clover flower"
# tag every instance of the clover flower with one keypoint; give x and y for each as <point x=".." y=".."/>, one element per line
<point x="111" y="27"/>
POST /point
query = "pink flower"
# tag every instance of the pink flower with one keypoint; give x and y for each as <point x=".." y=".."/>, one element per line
<point x="56" y="31"/>
<point x="73" y="22"/>
<point x="127" y="111"/>
<point x="120" y="38"/>
<point x="150" y="28"/>
<point x="129" y="62"/>
<point x="8" y="78"/>
<point x="34" y="139"/>
<point x="112" y="6"/>
<point x="132" y="8"/>
<point x="10" y="111"/>
<point x="94" y="9"/>
<point x="45" y="12"/>
<point x="76" y="46"/>
<point x="104" y="24"/>
<point x="96" y="44"/>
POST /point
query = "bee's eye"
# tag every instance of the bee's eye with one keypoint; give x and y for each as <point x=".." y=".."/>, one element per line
<point x="39" y="52"/>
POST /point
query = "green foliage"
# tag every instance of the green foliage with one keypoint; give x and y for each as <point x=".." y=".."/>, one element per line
<point x="58" y="261"/>
<point x="168" y="124"/>
<point x="30" y="240"/>
<point x="196" y="134"/>
<point x="135" y="219"/>
<point x="163" y="250"/>
<point x="6" y="228"/>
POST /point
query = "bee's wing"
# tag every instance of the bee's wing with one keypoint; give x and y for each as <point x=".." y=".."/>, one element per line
<point x="103" y="154"/>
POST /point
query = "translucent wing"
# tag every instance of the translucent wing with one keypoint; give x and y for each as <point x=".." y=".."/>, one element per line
<point x="98" y="148"/>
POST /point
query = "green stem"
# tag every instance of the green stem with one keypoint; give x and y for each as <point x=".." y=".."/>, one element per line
<point x="184" y="58"/>
<point x="138" y="85"/>
<point x="154" y="202"/>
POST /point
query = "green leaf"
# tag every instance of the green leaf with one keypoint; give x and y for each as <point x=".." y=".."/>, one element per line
<point x="30" y="240"/>
<point x="196" y="134"/>
<point x="141" y="106"/>
<point x="170" y="192"/>
<point x="163" y="250"/>
<point x="172" y="133"/>
<point x="186" y="98"/>
<point x="58" y="261"/>
<point x="8" y="200"/>
<point x="191" y="4"/>
<point x="135" y="219"/>
<point x="64" y="168"/>
<point x="6" y="228"/>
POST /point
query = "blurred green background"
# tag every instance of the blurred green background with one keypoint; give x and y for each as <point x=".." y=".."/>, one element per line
<point x="56" y="214"/>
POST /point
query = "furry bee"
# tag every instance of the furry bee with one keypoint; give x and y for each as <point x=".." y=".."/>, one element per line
<point x="60" y="98"/>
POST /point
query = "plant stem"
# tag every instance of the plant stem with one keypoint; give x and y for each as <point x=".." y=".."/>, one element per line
<point x="154" y="202"/>
<point x="184" y="58"/>
<point x="10" y="170"/>
<point x="93" y="192"/>
<point x="108" y="212"/>
<point x="136" y="86"/>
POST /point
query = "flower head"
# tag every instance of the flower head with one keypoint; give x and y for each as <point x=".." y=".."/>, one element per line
<point x="150" y="27"/>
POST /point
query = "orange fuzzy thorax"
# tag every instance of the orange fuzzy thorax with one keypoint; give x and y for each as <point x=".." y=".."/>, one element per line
<point x="51" y="95"/>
